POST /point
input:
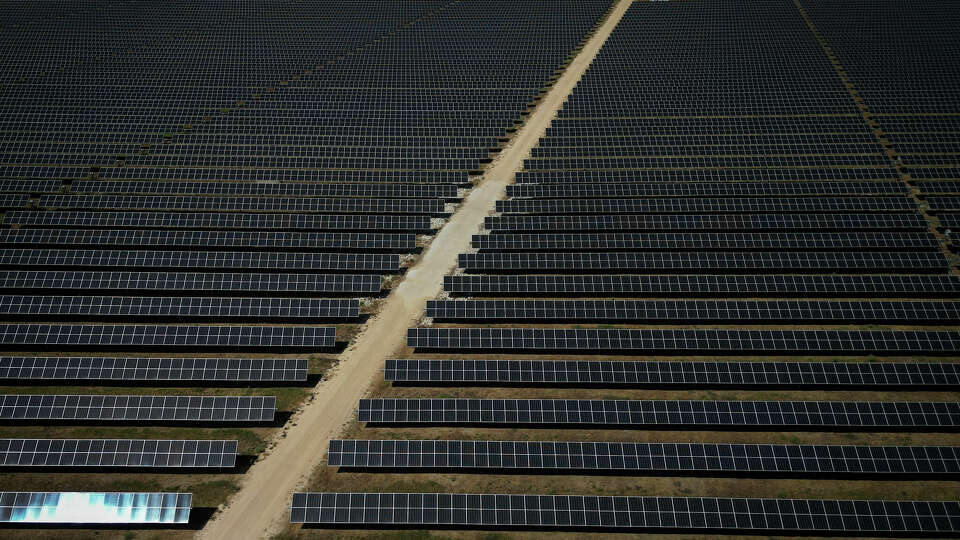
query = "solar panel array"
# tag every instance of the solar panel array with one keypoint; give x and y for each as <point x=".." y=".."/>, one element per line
<point x="714" y="166"/>
<point x="258" y="164"/>
<point x="767" y="161"/>
<point x="640" y="190"/>
<point x="700" y="514"/>
<point x="242" y="154"/>
<point x="905" y="80"/>
<point x="139" y="453"/>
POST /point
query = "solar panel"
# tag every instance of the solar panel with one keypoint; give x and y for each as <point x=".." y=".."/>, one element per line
<point x="619" y="512"/>
<point x="104" y="453"/>
<point x="152" y="369"/>
<point x="13" y="200"/>
<point x="29" y="186"/>
<point x="636" y="373"/>
<point x="906" y="241"/>
<point x="587" y="457"/>
<point x="664" y="341"/>
<point x="243" y="204"/>
<point x="63" y="336"/>
<point x="232" y="260"/>
<point x="697" y="261"/>
<point x="907" y="286"/>
<point x="703" y="222"/>
<point x="210" y="239"/>
<point x="943" y="204"/>
<point x="177" y="307"/>
<point x="949" y="220"/>
<point x="703" y="205"/>
<point x="69" y="507"/>
<point x="728" y="414"/>
<point x="140" y="408"/>
<point x="252" y="283"/>
<point x="688" y="310"/>
<point x="938" y="187"/>
<point x="24" y="173"/>
<point x="218" y="220"/>
<point x="935" y="173"/>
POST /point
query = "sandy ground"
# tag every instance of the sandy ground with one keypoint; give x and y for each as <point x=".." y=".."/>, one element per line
<point x="260" y="509"/>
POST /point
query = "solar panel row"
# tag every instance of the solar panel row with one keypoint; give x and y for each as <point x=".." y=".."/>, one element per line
<point x="228" y="260"/>
<point x="71" y="336"/>
<point x="586" y="457"/>
<point x="238" y="284"/>
<point x="696" y="205"/>
<point x="13" y="201"/>
<point x="179" y="307"/>
<point x="582" y="128"/>
<point x="205" y="240"/>
<point x="615" y="512"/>
<point x="43" y="368"/>
<point x="139" y="408"/>
<point x="669" y="341"/>
<point x="892" y="375"/>
<point x="908" y="286"/>
<point x="68" y="507"/>
<point x="719" y="414"/>
<point x="255" y="174"/>
<point x="22" y="185"/>
<point x="689" y="310"/>
<point x="903" y="241"/>
<point x="703" y="222"/>
<point x="702" y="261"/>
<point x="102" y="453"/>
<point x="248" y="204"/>
<point x="442" y="191"/>
<point x="219" y="220"/>
<point x="698" y="189"/>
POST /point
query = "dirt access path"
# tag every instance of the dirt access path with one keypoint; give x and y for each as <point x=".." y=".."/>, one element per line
<point x="260" y="508"/>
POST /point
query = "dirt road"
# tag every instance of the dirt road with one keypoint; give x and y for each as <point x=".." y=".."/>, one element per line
<point x="260" y="509"/>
